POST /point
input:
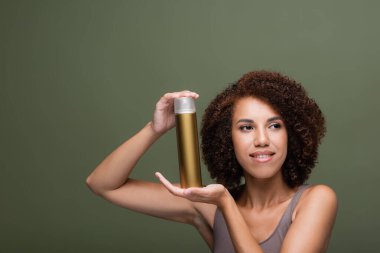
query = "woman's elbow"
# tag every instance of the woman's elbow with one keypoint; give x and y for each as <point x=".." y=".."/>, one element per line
<point x="91" y="186"/>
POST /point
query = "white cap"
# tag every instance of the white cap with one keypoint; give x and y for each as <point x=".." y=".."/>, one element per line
<point x="184" y="105"/>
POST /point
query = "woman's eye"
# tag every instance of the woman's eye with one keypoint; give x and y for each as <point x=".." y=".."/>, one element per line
<point x="276" y="125"/>
<point x="245" y="128"/>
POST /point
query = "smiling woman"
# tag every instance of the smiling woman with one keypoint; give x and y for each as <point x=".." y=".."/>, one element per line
<point x="266" y="130"/>
<point x="304" y="122"/>
<point x="263" y="129"/>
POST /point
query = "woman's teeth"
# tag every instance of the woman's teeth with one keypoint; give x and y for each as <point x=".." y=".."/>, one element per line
<point x="262" y="156"/>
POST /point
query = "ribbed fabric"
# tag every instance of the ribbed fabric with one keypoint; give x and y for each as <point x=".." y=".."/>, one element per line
<point x="222" y="239"/>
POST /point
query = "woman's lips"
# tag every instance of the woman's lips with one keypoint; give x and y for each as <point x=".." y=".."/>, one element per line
<point x="262" y="156"/>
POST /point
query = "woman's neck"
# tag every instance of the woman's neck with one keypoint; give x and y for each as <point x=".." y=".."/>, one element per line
<point x="265" y="193"/>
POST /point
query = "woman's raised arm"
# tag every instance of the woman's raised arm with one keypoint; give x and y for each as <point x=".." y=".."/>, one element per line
<point x="111" y="179"/>
<point x="113" y="172"/>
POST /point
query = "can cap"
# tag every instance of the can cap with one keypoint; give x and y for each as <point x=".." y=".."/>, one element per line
<point x="184" y="105"/>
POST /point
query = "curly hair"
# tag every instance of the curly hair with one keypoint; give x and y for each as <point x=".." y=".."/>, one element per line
<point x="305" y="125"/>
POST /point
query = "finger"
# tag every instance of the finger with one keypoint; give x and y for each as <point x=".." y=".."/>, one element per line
<point x="171" y="188"/>
<point x="185" y="93"/>
<point x="188" y="92"/>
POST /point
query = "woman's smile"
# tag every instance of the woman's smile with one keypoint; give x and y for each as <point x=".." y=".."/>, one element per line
<point x="262" y="156"/>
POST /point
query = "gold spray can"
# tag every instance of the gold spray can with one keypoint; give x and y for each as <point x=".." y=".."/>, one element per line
<point x="187" y="142"/>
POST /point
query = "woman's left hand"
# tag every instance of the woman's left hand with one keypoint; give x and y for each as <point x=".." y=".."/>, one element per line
<point x="211" y="194"/>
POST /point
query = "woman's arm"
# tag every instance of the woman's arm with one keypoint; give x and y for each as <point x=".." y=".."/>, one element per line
<point x="111" y="179"/>
<point x="240" y="234"/>
<point x="313" y="221"/>
<point x="309" y="232"/>
<point x="114" y="170"/>
<point x="218" y="195"/>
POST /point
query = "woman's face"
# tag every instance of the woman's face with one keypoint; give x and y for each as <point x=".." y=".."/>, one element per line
<point x="259" y="138"/>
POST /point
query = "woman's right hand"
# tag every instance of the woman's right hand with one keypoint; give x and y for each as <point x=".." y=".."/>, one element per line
<point x="164" y="118"/>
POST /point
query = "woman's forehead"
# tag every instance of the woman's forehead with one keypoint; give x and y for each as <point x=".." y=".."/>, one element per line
<point x="252" y="107"/>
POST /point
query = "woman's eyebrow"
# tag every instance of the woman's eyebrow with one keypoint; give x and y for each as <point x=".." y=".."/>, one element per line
<point x="275" y="118"/>
<point x="251" y="120"/>
<point x="245" y="120"/>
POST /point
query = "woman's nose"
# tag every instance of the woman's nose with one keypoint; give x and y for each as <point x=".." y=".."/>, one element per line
<point x="261" y="138"/>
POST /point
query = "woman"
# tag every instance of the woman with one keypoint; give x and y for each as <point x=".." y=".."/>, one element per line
<point x="260" y="140"/>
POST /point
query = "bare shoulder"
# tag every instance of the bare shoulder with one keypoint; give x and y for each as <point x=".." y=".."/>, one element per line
<point x="312" y="221"/>
<point x="322" y="194"/>
<point x="321" y="198"/>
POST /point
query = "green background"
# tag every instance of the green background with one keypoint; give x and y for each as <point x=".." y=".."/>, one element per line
<point x="78" y="78"/>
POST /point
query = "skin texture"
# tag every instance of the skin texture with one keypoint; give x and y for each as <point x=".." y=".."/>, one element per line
<point x="264" y="198"/>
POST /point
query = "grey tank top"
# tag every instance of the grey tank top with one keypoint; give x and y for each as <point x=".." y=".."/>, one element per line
<point x="222" y="240"/>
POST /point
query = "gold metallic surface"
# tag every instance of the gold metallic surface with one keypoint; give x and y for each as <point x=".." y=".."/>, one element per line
<point x="188" y="150"/>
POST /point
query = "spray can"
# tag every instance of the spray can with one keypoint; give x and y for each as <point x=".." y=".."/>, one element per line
<point x="187" y="142"/>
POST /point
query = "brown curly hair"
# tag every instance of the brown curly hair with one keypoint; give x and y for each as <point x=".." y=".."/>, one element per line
<point x="305" y="125"/>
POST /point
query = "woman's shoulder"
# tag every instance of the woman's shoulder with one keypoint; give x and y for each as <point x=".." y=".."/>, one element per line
<point x="319" y="191"/>
<point x="318" y="197"/>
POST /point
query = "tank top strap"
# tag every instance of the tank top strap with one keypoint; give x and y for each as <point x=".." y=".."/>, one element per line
<point x="286" y="218"/>
<point x="276" y="238"/>
<point x="297" y="197"/>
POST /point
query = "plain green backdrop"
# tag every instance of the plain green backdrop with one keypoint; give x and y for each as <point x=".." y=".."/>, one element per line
<point x="78" y="78"/>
